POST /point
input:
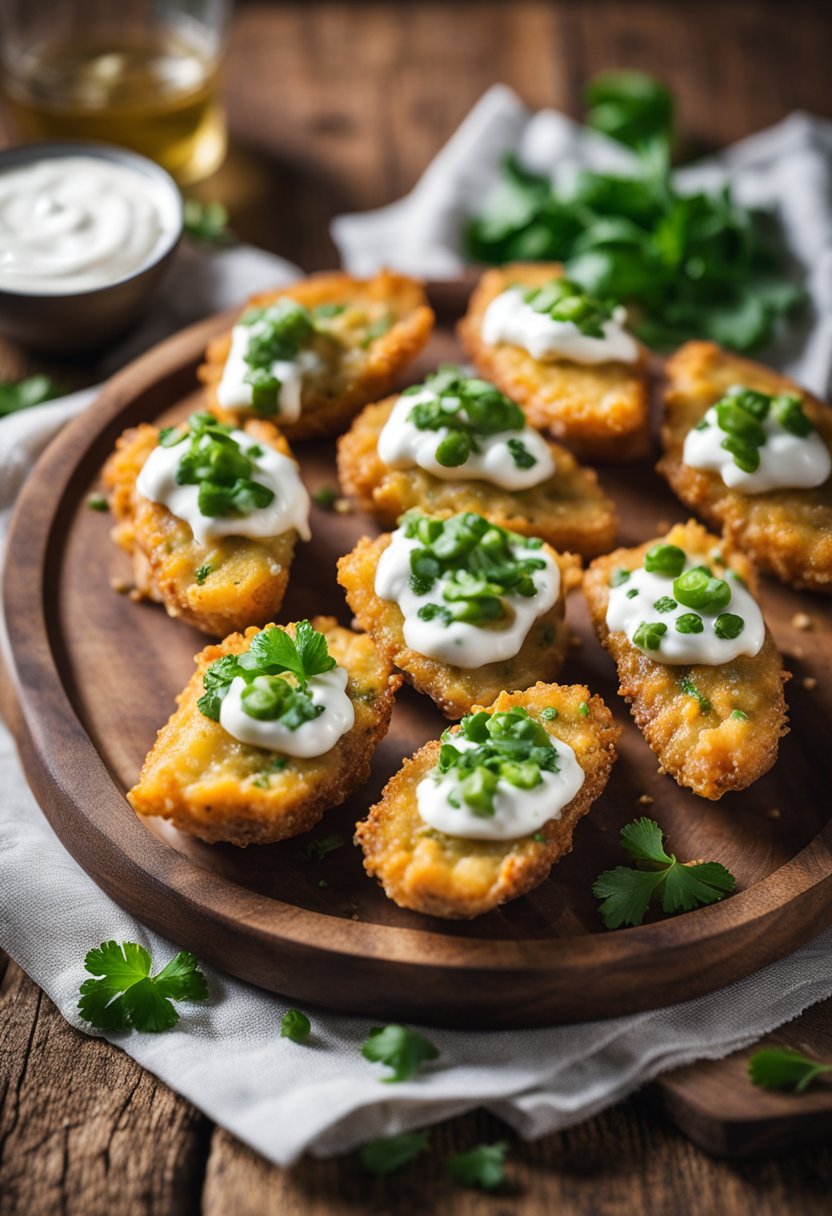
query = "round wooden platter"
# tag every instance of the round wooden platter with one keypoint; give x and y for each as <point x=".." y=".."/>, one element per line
<point x="95" y="675"/>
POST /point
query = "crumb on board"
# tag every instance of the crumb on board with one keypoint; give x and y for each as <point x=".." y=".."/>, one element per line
<point x="343" y="506"/>
<point x="646" y="800"/>
<point x="809" y="683"/>
<point x="120" y="586"/>
<point x="773" y="813"/>
<point x="575" y="641"/>
<point x="802" y="620"/>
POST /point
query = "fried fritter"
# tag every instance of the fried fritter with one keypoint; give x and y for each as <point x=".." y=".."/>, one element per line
<point x="363" y="347"/>
<point x="209" y="784"/>
<point x="691" y="729"/>
<point x="439" y="875"/>
<point x="599" y="410"/>
<point x="245" y="580"/>
<point x="453" y="689"/>
<point x="787" y="532"/>
<point x="569" y="511"/>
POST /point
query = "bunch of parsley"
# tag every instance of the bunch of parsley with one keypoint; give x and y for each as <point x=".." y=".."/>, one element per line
<point x="687" y="266"/>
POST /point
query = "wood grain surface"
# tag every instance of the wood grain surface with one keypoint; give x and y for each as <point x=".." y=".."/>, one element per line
<point x="335" y="106"/>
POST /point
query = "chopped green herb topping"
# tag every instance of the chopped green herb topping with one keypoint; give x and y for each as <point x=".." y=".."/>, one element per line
<point x="627" y="891"/>
<point x="472" y="565"/>
<point x="278" y="332"/>
<point x="649" y="634"/>
<point x="632" y="593"/>
<point x="467" y="409"/>
<point x="325" y="497"/>
<point x="568" y="302"/>
<point x="509" y="746"/>
<point x="262" y="780"/>
<point x="741" y="414"/>
<point x="325" y="312"/>
<point x="697" y="588"/>
<point x="620" y="576"/>
<point x="583" y="709"/>
<point x="97" y="502"/>
<point x="124" y="994"/>
<point x="295" y="1026"/>
<point x="664" y="604"/>
<point x="386" y="1156"/>
<point x="482" y="1166"/>
<point x="739" y="715"/>
<point x="202" y="572"/>
<point x="549" y="713"/>
<point x="272" y="653"/>
<point x="689" y="688"/>
<point x="213" y="460"/>
<point x="404" y="1051"/>
<point x="378" y="329"/>
<point x="728" y="625"/>
<point x="207" y="222"/>
<point x="689" y="622"/>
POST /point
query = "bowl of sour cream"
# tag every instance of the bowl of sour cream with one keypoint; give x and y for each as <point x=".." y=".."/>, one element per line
<point x="86" y="234"/>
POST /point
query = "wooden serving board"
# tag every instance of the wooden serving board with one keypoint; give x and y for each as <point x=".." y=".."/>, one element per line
<point x="95" y="675"/>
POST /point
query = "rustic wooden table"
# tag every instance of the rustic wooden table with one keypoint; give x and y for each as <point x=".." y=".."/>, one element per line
<point x="339" y="106"/>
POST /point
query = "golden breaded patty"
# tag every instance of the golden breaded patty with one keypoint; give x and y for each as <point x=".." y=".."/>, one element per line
<point x="788" y="533"/>
<point x="247" y="578"/>
<point x="356" y="367"/>
<point x="696" y="739"/>
<point x="211" y="785"/>
<point x="454" y="689"/>
<point x="600" y="410"/>
<point x="424" y="869"/>
<point x="569" y="510"/>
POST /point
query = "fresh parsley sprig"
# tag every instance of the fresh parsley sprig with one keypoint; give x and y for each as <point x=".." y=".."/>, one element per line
<point x="391" y="1153"/>
<point x="627" y="892"/>
<point x="483" y="1166"/>
<point x="272" y="652"/>
<point x="784" y="1068"/>
<point x="124" y="994"/>
<point x="18" y="395"/>
<point x="404" y="1051"/>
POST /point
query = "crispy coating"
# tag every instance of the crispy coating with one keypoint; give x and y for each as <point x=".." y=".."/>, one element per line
<point x="569" y="510"/>
<point x="248" y="577"/>
<point x="454" y="689"/>
<point x="702" y="748"/>
<point x="600" y="411"/>
<point x="212" y="786"/>
<point x="354" y="370"/>
<point x="446" y="876"/>
<point x="788" y="533"/>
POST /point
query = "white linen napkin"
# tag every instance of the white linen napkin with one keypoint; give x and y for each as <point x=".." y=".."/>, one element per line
<point x="226" y="1056"/>
<point x="787" y="167"/>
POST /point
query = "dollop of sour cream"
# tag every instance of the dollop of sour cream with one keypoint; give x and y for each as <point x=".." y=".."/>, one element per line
<point x="288" y="509"/>
<point x="460" y="643"/>
<point x="402" y="445"/>
<point x="787" y="461"/>
<point x="313" y="738"/>
<point x="510" y="319"/>
<point x="234" y="394"/>
<point x="517" y="812"/>
<point x="76" y="223"/>
<point x="626" y="612"/>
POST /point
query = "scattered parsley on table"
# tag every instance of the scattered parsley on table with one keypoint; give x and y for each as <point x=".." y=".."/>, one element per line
<point x="392" y="1153"/>
<point x="124" y="994"/>
<point x="783" y="1068"/>
<point x="482" y="1166"/>
<point x="404" y="1051"/>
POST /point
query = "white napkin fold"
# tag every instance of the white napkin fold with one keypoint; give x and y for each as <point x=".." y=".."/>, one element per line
<point x="226" y="1056"/>
<point x="787" y="167"/>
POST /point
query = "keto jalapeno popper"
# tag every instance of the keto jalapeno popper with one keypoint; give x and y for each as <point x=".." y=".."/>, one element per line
<point x="752" y="453"/>
<point x="463" y="607"/>
<point x="456" y="443"/>
<point x="210" y="515"/>
<point x="481" y="815"/>
<point x="564" y="356"/>
<point x="275" y="727"/>
<point x="310" y="355"/>
<point x="696" y="662"/>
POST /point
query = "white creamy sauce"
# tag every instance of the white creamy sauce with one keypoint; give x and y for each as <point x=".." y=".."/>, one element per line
<point x="510" y="319"/>
<point x="627" y="612"/>
<point x="76" y="223"/>
<point x="787" y="461"/>
<point x="401" y="445"/>
<point x="460" y="643"/>
<point x="288" y="509"/>
<point x="312" y="738"/>
<point x="234" y="394"/>
<point x="517" y="812"/>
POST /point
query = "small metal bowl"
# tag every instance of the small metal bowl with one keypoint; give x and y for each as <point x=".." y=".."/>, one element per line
<point x="80" y="321"/>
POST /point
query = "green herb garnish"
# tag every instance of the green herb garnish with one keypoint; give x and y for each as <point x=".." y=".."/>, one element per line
<point x="23" y="394"/>
<point x="689" y="688"/>
<point x="549" y="713"/>
<point x="482" y="1166"/>
<point x="783" y="1068"/>
<point x="295" y="1026"/>
<point x="689" y="622"/>
<point x="202" y="572"/>
<point x="740" y="414"/>
<point x="213" y="460"/>
<point x="510" y="746"/>
<point x="466" y="409"/>
<point x="626" y="892"/>
<point x="262" y="780"/>
<point x="664" y="604"/>
<point x="564" y="301"/>
<point x="696" y="265"/>
<point x="97" y="502"/>
<point x="316" y="850"/>
<point x="698" y="588"/>
<point x="739" y="715"/>
<point x="728" y="625"/>
<point x="620" y="576"/>
<point x="404" y="1051"/>
<point x="649" y="635"/>
<point x="378" y="329"/>
<point x="391" y="1153"/>
<point x="325" y="498"/>
<point x="207" y="222"/>
<point x="278" y="332"/>
<point x="124" y="994"/>
<point x="272" y="653"/>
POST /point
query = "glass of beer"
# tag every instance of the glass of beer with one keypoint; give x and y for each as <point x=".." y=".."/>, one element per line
<point x="139" y="73"/>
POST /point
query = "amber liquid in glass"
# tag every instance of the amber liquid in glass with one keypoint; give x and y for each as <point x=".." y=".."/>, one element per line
<point x="155" y="94"/>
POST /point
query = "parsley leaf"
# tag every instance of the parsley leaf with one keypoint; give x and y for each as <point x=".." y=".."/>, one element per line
<point x="783" y="1068"/>
<point x="295" y="1026"/>
<point x="391" y="1153"/>
<point x="207" y="222"/>
<point x="404" y="1051"/>
<point x="482" y="1166"/>
<point x="627" y="892"/>
<point x="22" y="394"/>
<point x="318" y="849"/>
<point x="124" y="993"/>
